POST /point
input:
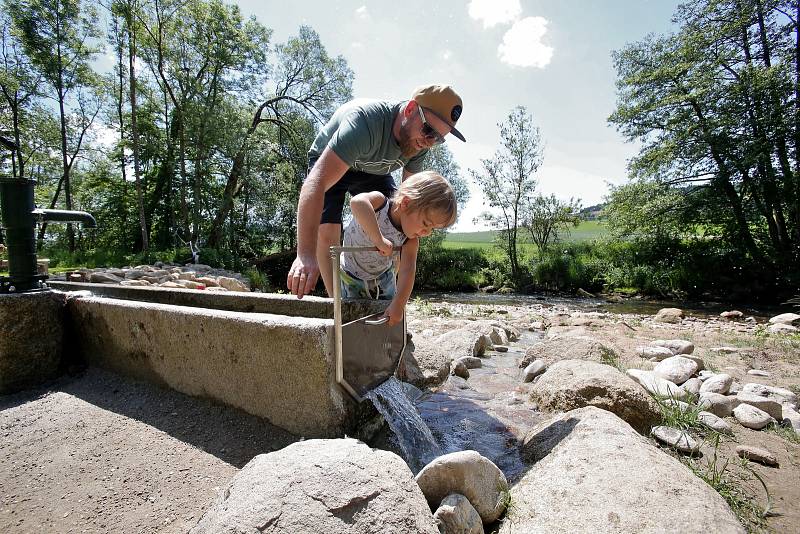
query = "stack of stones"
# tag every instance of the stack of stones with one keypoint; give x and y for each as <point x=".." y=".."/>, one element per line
<point x="679" y="376"/>
<point x="197" y="276"/>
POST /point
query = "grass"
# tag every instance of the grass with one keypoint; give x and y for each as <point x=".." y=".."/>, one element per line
<point x="585" y="231"/>
<point x="786" y="432"/>
<point x="733" y="487"/>
<point x="424" y="307"/>
<point x="609" y="357"/>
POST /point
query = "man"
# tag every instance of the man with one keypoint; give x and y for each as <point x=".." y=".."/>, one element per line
<point x="362" y="143"/>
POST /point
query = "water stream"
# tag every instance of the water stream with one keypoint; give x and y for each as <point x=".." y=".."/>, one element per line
<point x="490" y="413"/>
<point x="413" y="436"/>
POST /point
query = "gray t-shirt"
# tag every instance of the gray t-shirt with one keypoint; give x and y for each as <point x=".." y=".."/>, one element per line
<point x="360" y="132"/>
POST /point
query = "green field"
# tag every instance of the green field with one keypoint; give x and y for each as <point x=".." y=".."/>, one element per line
<point x="586" y="231"/>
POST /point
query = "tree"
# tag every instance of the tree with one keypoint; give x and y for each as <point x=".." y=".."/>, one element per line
<point x="547" y="219"/>
<point x="507" y="180"/>
<point x="57" y="36"/>
<point x="716" y="109"/>
<point x="308" y="82"/>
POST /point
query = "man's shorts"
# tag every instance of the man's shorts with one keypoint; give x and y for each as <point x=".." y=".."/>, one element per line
<point x="382" y="288"/>
<point x="353" y="182"/>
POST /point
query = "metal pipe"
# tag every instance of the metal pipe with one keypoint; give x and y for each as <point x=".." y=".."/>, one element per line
<point x="86" y="220"/>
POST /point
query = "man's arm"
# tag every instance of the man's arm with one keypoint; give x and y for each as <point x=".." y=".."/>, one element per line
<point x="328" y="170"/>
<point x="406" y="174"/>
<point x="405" y="281"/>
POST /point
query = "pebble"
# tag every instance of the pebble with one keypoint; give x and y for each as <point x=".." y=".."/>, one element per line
<point x="501" y="348"/>
<point x="758" y="372"/>
<point x="678" y="439"/>
<point x="534" y="369"/>
<point x="756" y="454"/>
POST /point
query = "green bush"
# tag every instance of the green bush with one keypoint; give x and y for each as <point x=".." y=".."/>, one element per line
<point x="449" y="269"/>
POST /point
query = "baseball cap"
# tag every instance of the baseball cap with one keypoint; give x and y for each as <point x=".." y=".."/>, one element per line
<point x="443" y="102"/>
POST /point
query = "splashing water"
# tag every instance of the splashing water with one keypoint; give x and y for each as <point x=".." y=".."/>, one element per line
<point x="414" y="437"/>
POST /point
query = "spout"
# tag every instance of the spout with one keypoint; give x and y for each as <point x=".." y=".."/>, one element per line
<point x="66" y="216"/>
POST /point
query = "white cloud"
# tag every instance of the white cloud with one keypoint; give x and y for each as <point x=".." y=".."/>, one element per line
<point x="357" y="44"/>
<point x="447" y="54"/>
<point x="362" y="13"/>
<point x="493" y="12"/>
<point x="522" y="44"/>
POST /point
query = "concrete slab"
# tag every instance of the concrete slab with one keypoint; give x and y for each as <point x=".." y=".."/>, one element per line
<point x="31" y="339"/>
<point x="275" y="366"/>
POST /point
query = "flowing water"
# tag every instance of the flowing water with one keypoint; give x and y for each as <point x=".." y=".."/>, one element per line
<point x="490" y="413"/>
<point x="413" y="436"/>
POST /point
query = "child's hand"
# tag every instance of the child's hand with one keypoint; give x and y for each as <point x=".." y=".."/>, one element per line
<point x="395" y="313"/>
<point x="385" y="247"/>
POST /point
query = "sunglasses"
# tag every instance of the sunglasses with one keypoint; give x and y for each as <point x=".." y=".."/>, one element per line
<point x="428" y="130"/>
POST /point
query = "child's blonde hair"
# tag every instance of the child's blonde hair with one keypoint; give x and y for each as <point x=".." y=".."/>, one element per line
<point x="430" y="193"/>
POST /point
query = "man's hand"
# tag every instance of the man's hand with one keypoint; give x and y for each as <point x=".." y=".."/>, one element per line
<point x="385" y="247"/>
<point x="302" y="277"/>
<point x="395" y="313"/>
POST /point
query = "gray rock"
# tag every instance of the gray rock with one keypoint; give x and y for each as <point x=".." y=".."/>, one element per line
<point x="657" y="385"/>
<point x="715" y="423"/>
<point x="654" y="353"/>
<point x="584" y="458"/>
<point x="786" y="318"/>
<point x="533" y="370"/>
<point x="669" y="315"/>
<point x="471" y="362"/>
<point x="471" y="475"/>
<point x="758" y="372"/>
<point x="757" y="454"/>
<point x="720" y="383"/>
<point x="677" y="346"/>
<point x="459" y="368"/>
<point x="501" y="348"/>
<point x="321" y="486"/>
<point x="719" y="405"/>
<point x="676" y="369"/>
<point x="677" y="439"/>
<point x="564" y="348"/>
<point x="781" y="395"/>
<point x="692" y="386"/>
<point x="751" y="417"/>
<point x="731" y="315"/>
<point x="571" y="384"/>
<point x="791" y="417"/>
<point x="773" y="408"/>
<point x="457" y="516"/>
<point x="780" y="328"/>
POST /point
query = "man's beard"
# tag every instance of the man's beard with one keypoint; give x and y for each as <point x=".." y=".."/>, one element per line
<point x="408" y="147"/>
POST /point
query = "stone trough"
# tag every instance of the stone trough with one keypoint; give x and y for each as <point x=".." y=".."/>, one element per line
<point x="268" y="354"/>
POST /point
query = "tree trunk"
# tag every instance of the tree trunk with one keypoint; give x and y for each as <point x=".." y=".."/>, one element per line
<point x="134" y="129"/>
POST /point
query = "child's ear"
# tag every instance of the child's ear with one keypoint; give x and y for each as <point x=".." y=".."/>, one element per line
<point x="404" y="202"/>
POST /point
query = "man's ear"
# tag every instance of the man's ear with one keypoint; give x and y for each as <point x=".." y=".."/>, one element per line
<point x="411" y="107"/>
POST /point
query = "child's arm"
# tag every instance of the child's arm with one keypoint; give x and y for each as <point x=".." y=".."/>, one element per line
<point x="405" y="281"/>
<point x="363" y="207"/>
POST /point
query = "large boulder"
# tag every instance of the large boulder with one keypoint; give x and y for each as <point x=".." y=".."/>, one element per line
<point x="321" y="486"/>
<point x="594" y="473"/>
<point x="469" y="474"/>
<point x="571" y="384"/>
<point x="566" y="348"/>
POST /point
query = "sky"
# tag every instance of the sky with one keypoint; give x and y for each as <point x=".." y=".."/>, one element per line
<point x="553" y="57"/>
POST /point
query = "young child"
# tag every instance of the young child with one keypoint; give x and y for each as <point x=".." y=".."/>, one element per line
<point x="425" y="201"/>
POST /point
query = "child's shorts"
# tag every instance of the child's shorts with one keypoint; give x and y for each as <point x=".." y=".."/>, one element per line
<point x="384" y="287"/>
